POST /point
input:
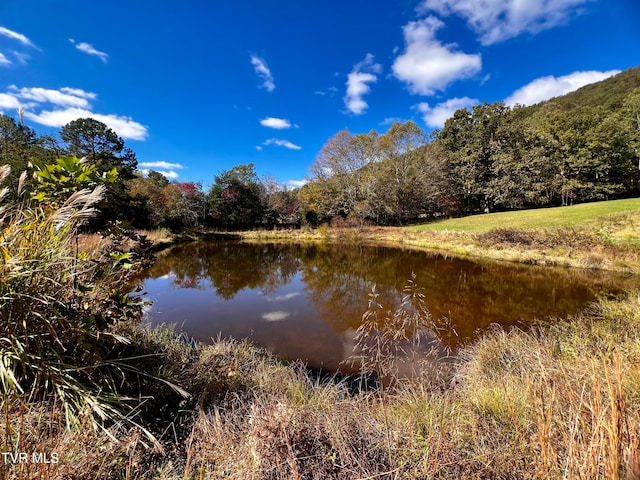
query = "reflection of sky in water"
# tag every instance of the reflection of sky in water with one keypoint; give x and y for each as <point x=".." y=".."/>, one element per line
<point x="275" y="316"/>
<point x="305" y="302"/>
<point x="284" y="320"/>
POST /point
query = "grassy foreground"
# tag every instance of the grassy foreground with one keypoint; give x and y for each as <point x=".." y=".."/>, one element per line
<point x="559" y="403"/>
<point x="556" y="402"/>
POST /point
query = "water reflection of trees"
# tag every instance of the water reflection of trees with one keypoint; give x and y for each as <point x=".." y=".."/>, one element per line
<point x="464" y="297"/>
<point x="229" y="266"/>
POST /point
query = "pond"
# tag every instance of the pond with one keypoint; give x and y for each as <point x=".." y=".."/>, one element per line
<point x="306" y="301"/>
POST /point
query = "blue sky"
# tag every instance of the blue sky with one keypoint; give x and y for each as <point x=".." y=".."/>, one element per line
<point x="197" y="87"/>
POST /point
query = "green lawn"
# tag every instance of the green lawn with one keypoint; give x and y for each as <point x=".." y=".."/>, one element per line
<point x="573" y="216"/>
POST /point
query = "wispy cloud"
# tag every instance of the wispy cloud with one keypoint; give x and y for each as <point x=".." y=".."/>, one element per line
<point x="277" y="123"/>
<point x="331" y="92"/>
<point x="358" y="84"/>
<point x="436" y="116"/>
<point x="498" y="20"/>
<point x="282" y="143"/>
<point x="16" y="36"/>
<point x="90" y="50"/>
<point x="22" y="58"/>
<point x="427" y="65"/>
<point x="391" y="121"/>
<point x="544" y="88"/>
<point x="162" y="164"/>
<point x="4" y="60"/>
<point x="261" y="68"/>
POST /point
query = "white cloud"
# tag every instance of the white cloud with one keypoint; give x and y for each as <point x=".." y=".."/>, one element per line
<point x="125" y="127"/>
<point x="8" y="101"/>
<point x="65" y="97"/>
<point x="436" y="116"/>
<point x="68" y="104"/>
<point x="498" y="20"/>
<point x="363" y="73"/>
<point x="277" y="123"/>
<point x="162" y="164"/>
<point x="282" y="143"/>
<point x="548" y="87"/>
<point x="4" y="60"/>
<point x="263" y="72"/>
<point x="428" y="65"/>
<point x="357" y="86"/>
<point x="171" y="174"/>
<point x="90" y="50"/>
<point x="16" y="36"/>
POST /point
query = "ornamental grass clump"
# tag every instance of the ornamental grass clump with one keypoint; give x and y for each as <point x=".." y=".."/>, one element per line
<point x="55" y="305"/>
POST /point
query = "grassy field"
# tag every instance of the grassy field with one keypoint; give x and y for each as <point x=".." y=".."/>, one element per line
<point x="601" y="235"/>
<point x="571" y="216"/>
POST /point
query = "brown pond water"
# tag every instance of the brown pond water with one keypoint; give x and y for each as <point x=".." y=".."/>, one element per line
<point x="306" y="301"/>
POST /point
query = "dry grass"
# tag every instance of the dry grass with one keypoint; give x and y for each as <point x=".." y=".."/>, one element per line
<point x="609" y="242"/>
<point x="157" y="237"/>
<point x="559" y="402"/>
<point x="94" y="244"/>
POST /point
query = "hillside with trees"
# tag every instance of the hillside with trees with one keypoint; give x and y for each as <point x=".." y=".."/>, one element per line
<point x="581" y="147"/>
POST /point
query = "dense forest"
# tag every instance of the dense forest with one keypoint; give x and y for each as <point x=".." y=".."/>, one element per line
<point x="581" y="147"/>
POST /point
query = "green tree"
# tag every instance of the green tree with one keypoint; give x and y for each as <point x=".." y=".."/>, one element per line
<point x="90" y="138"/>
<point x="469" y="138"/>
<point x="628" y="119"/>
<point x="579" y="173"/>
<point x="432" y="182"/>
<point x="401" y="150"/>
<point x="236" y="198"/>
<point x="282" y="204"/>
<point x="102" y="147"/>
<point x="156" y="202"/>
<point x="146" y="199"/>
<point x="183" y="205"/>
<point x="18" y="145"/>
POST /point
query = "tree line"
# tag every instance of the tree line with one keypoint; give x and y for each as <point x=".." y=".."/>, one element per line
<point x="584" y="146"/>
<point x="491" y="157"/>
